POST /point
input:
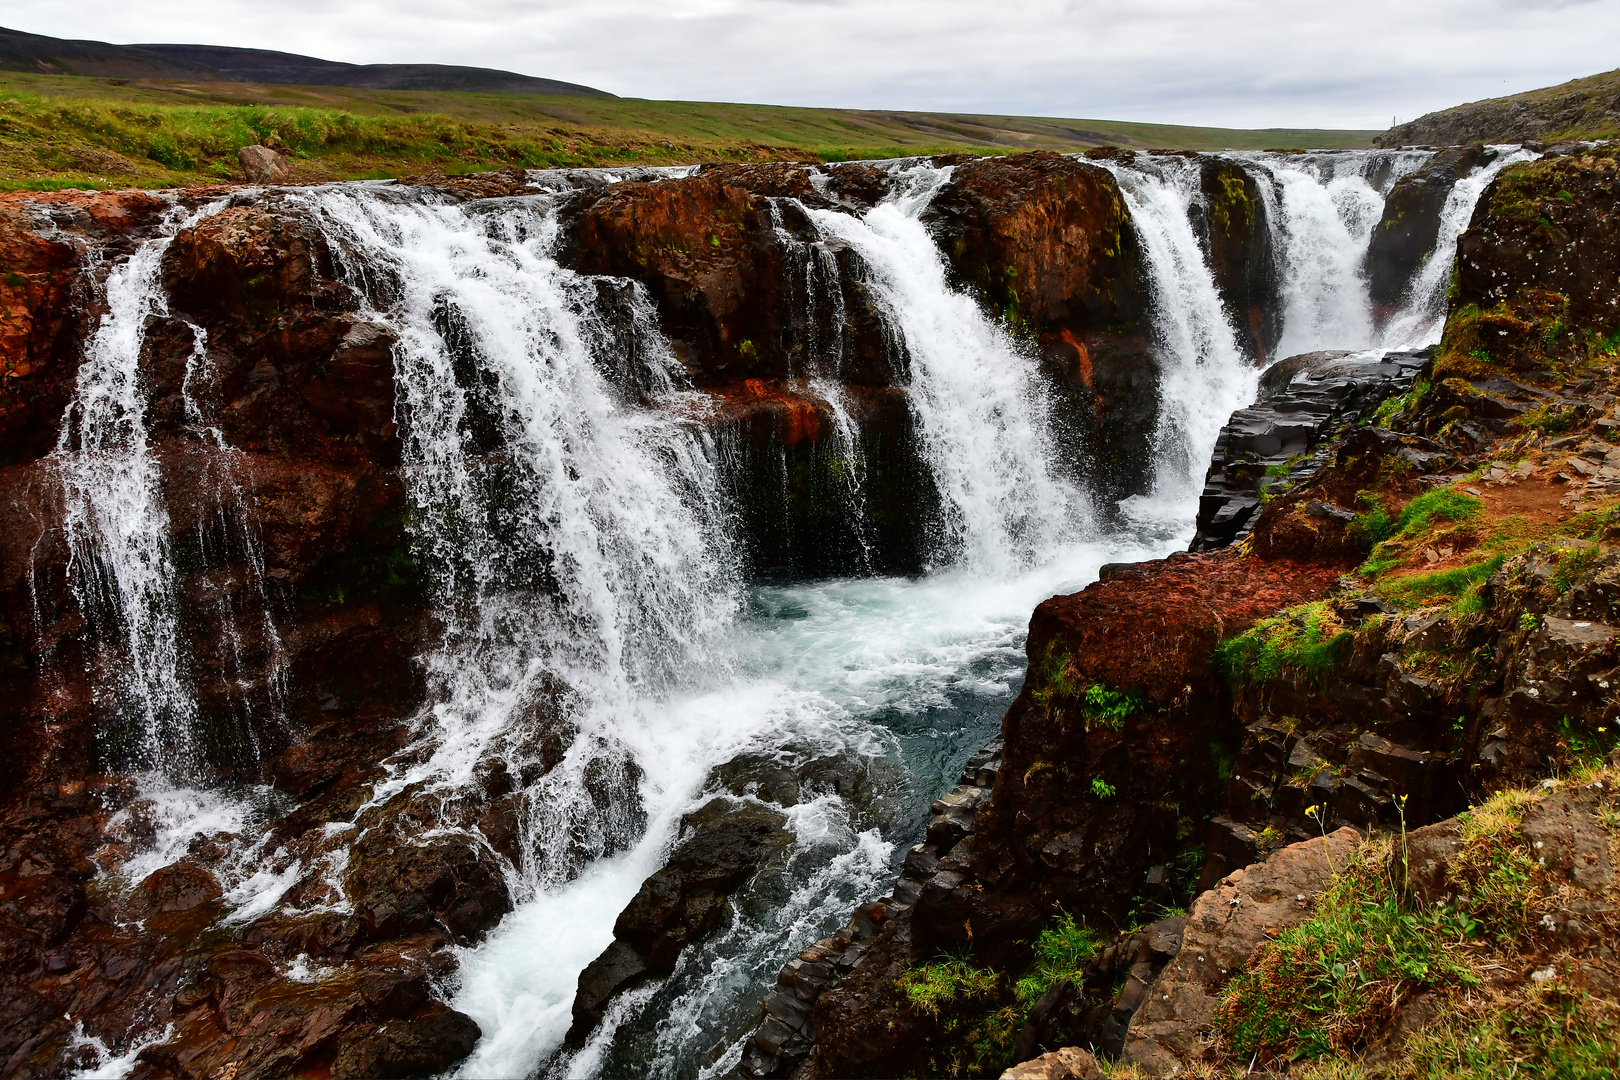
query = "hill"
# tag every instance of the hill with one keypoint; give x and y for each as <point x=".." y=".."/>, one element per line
<point x="1586" y="108"/>
<point x="36" y="53"/>
<point x="75" y="131"/>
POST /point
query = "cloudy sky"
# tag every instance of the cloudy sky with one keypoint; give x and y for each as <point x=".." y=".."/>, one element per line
<point x="1238" y="63"/>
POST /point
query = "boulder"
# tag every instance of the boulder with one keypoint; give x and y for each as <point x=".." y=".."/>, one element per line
<point x="262" y="165"/>
<point x="1245" y="908"/>
<point x="726" y="842"/>
<point x="1070" y="1063"/>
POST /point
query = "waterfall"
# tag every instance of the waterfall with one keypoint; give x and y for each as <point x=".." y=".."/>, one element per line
<point x="983" y="415"/>
<point x="1423" y="311"/>
<point x="597" y="639"/>
<point x="576" y="544"/>
<point x="121" y="572"/>
<point x="1203" y="374"/>
<point x="1322" y="209"/>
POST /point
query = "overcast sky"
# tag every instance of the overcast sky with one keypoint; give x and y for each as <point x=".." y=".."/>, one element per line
<point x="1230" y="63"/>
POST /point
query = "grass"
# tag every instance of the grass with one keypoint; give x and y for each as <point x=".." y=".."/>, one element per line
<point x="59" y="130"/>
<point x="949" y="980"/>
<point x="1061" y="951"/>
<point x="1331" y="984"/>
<point x="1457" y="584"/>
<point x="1305" y="639"/>
<point x="1327" y="991"/>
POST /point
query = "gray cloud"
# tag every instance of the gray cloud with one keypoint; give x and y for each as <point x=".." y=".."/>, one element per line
<point x="1249" y="63"/>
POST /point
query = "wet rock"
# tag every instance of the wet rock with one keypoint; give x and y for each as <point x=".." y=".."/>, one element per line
<point x="1405" y="235"/>
<point x="725" y="254"/>
<point x="422" y="1044"/>
<point x="1233" y="222"/>
<point x="724" y="844"/>
<point x="179" y="887"/>
<point x="1223" y="929"/>
<point x="1044" y="241"/>
<point x="1306" y="403"/>
<point x="403" y="886"/>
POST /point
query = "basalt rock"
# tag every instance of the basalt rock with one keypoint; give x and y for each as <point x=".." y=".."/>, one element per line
<point x="1049" y="836"/>
<point x="1237" y="235"/>
<point x="1405" y="235"/>
<point x="1539" y="262"/>
<point x="1045" y="241"/>
<point x="1306" y="403"/>
<point x="821" y="493"/>
<point x="794" y="1021"/>
<point x="1244" y="909"/>
<point x="725" y="844"/>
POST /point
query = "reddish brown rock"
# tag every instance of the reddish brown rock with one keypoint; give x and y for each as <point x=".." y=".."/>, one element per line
<point x="1045" y="241"/>
<point x="725" y="265"/>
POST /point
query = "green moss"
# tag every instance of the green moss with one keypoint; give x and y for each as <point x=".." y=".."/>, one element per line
<point x="1305" y="639"/>
<point x="1445" y="504"/>
<point x="1459" y="584"/>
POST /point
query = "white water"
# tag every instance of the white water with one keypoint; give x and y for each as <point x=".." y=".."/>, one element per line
<point x="587" y="585"/>
<point x="1322" y="213"/>
<point x="1204" y="375"/>
<point x="1423" y="312"/>
<point x="982" y="417"/>
<point x="117" y="525"/>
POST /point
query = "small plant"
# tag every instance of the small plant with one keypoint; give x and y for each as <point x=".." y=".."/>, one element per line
<point x="1061" y="951"/>
<point x="1373" y="525"/>
<point x="931" y="987"/>
<point x="1101" y="788"/>
<point x="1110" y="707"/>
<point x="1528" y="621"/>
<point x="1306" y="639"/>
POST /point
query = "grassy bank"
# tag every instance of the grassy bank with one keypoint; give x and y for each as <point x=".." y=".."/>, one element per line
<point x="67" y="131"/>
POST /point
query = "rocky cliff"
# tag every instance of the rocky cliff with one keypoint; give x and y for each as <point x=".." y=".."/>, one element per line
<point x="1140" y="762"/>
<point x="1418" y="625"/>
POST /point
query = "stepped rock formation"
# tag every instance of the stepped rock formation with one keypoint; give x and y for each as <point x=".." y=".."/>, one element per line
<point x="269" y="379"/>
<point x="1205" y="753"/>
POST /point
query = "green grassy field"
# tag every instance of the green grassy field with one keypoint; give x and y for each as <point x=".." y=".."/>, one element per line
<point x="68" y="131"/>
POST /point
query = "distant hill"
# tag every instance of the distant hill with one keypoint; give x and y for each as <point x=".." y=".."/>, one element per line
<point x="40" y="55"/>
<point x="1586" y="108"/>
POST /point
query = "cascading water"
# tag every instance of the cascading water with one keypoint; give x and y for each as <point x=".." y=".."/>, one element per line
<point x="568" y="504"/>
<point x="122" y="571"/>
<point x="1423" y="313"/>
<point x="1322" y="209"/>
<point x="983" y="418"/>
<point x="116" y="523"/>
<point x="1204" y="376"/>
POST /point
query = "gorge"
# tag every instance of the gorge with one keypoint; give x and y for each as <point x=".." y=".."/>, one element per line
<point x="427" y="602"/>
